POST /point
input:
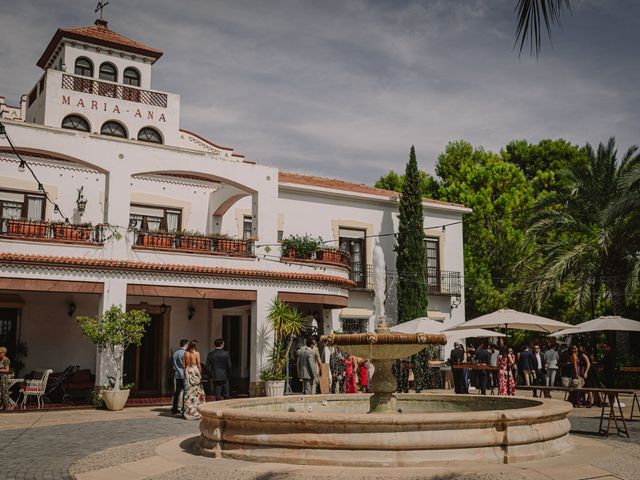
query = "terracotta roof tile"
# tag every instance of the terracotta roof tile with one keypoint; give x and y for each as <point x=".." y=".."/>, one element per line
<point x="335" y="184"/>
<point x="148" y="267"/>
<point x="101" y="34"/>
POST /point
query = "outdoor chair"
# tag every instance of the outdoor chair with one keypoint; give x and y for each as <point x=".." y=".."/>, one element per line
<point x="36" y="388"/>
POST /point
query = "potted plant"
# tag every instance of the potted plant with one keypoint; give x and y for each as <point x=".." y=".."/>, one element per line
<point x="68" y="231"/>
<point x="27" y="228"/>
<point x="285" y="324"/>
<point x="301" y="246"/>
<point x="113" y="332"/>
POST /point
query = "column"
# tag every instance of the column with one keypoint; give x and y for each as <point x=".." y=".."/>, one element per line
<point x="115" y="293"/>
<point x="116" y="210"/>
<point x="261" y="336"/>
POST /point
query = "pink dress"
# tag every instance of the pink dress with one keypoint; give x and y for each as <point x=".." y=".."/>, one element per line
<point x="349" y="376"/>
<point x="364" y="380"/>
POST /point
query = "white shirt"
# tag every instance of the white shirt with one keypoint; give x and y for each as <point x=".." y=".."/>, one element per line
<point x="538" y="360"/>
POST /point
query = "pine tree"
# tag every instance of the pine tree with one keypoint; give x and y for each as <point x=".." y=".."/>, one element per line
<point x="410" y="261"/>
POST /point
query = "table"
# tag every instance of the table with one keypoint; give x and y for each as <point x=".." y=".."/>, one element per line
<point x="475" y="366"/>
<point x="12" y="382"/>
<point x="630" y="369"/>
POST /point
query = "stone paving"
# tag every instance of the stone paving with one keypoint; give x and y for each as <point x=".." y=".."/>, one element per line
<point x="44" y="445"/>
<point x="32" y="451"/>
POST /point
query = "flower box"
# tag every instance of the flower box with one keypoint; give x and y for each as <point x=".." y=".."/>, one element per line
<point x="194" y="243"/>
<point x="231" y="246"/>
<point x="28" y="228"/>
<point x="72" y="232"/>
<point x="331" y="256"/>
<point x="155" y="240"/>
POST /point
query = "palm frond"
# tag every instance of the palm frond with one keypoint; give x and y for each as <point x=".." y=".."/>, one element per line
<point x="531" y="14"/>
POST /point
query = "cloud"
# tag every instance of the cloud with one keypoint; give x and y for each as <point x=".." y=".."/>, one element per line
<point x="344" y="88"/>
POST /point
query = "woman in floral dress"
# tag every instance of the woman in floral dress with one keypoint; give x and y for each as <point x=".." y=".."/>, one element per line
<point x="4" y="379"/>
<point x="507" y="382"/>
<point x="350" y="374"/>
<point x="193" y="391"/>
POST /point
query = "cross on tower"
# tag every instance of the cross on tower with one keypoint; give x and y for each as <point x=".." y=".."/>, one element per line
<point x="100" y="7"/>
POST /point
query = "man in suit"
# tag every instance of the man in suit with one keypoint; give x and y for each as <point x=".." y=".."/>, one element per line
<point x="219" y="367"/>
<point x="178" y="374"/>
<point x="307" y="371"/>
<point x="456" y="358"/>
<point x="526" y="366"/>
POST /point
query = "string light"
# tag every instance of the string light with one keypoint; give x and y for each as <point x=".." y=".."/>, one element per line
<point x="21" y="166"/>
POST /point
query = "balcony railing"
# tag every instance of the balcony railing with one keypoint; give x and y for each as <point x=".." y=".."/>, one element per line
<point x="113" y="90"/>
<point x="324" y="255"/>
<point x="43" y="230"/>
<point x="362" y="275"/>
<point x="444" y="283"/>
<point x="194" y="244"/>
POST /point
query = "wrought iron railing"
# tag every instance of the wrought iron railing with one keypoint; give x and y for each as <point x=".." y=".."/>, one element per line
<point x="195" y="244"/>
<point x="122" y="92"/>
<point x="362" y="275"/>
<point x="444" y="282"/>
<point x="40" y="229"/>
<point x="324" y="255"/>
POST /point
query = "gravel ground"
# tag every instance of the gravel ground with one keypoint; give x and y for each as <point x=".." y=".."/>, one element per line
<point x="623" y="460"/>
<point x="117" y="455"/>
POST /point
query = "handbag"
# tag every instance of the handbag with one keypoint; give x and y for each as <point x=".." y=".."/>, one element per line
<point x="577" y="382"/>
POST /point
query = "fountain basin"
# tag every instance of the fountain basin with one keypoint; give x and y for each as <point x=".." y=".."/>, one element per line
<point x="430" y="429"/>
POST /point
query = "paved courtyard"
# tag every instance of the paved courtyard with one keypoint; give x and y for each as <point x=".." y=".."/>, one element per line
<point x="145" y="442"/>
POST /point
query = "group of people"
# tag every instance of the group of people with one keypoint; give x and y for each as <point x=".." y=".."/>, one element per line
<point x="187" y="369"/>
<point x="348" y="371"/>
<point x="547" y="364"/>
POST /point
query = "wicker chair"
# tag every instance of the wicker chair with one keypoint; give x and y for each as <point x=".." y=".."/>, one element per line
<point x="36" y="388"/>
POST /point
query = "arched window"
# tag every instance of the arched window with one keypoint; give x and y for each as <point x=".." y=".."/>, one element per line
<point x="76" y="122"/>
<point x="108" y="72"/>
<point x="84" y="67"/>
<point x="131" y="76"/>
<point x="113" y="129"/>
<point x="148" y="134"/>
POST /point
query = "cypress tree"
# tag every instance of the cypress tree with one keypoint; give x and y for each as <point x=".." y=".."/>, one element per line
<point x="410" y="261"/>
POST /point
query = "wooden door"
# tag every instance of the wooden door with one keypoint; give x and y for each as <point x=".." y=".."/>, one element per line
<point x="142" y="364"/>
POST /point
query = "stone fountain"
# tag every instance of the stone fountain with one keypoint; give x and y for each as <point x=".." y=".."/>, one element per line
<point x="385" y="429"/>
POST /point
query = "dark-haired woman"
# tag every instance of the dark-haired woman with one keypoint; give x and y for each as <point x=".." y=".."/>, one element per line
<point x="193" y="392"/>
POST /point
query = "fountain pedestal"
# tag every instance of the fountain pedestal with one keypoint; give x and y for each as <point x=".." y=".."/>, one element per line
<point x="383" y="384"/>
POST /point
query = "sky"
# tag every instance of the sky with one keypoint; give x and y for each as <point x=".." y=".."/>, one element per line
<point x="344" y="88"/>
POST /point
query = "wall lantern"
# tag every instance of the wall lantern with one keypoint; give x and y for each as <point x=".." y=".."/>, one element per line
<point x="192" y="312"/>
<point x="81" y="202"/>
<point x="71" y="308"/>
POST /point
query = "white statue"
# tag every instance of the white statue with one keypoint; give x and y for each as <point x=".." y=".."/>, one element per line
<point x="379" y="279"/>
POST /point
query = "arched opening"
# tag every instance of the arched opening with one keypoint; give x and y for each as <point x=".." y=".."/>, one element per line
<point x="83" y="67"/>
<point x="131" y="77"/>
<point x="151" y="135"/>
<point x="113" y="129"/>
<point x="108" y="72"/>
<point x="76" y="122"/>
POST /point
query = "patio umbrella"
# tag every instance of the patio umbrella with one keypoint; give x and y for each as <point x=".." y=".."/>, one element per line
<point x="507" y="318"/>
<point x="472" y="333"/>
<point x="601" y="324"/>
<point x="418" y="325"/>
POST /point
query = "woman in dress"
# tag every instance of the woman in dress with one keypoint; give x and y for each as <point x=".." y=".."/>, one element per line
<point x="364" y="375"/>
<point x="506" y="380"/>
<point x="579" y="368"/>
<point x="193" y="392"/>
<point x="5" y="364"/>
<point x="350" y="367"/>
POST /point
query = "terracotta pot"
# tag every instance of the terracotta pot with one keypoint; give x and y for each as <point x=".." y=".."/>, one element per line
<point x="115" y="400"/>
<point x="72" y="232"/>
<point x="195" y="243"/>
<point x="332" y="256"/>
<point x="231" y="246"/>
<point x="26" y="228"/>
<point x="152" y="240"/>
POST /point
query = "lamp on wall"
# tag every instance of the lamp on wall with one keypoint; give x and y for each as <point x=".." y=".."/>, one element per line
<point x="192" y="312"/>
<point x="71" y="308"/>
<point x="163" y="307"/>
<point x="81" y="202"/>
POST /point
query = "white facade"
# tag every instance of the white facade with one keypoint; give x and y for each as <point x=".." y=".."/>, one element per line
<point x="134" y="188"/>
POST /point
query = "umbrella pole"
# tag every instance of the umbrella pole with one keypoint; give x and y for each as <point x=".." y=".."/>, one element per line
<point x="506" y="341"/>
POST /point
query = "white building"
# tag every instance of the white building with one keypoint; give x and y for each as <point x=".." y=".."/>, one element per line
<point x="108" y="151"/>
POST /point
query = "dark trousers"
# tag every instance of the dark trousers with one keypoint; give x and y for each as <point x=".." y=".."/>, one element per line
<point x="458" y="380"/>
<point x="221" y="389"/>
<point x="483" y="380"/>
<point x="176" y="394"/>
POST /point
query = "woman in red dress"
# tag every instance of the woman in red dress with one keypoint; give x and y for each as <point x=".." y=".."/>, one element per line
<point x="364" y="376"/>
<point x="350" y="374"/>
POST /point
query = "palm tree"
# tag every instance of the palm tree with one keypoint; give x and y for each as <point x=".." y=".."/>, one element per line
<point x="531" y="14"/>
<point x="587" y="232"/>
